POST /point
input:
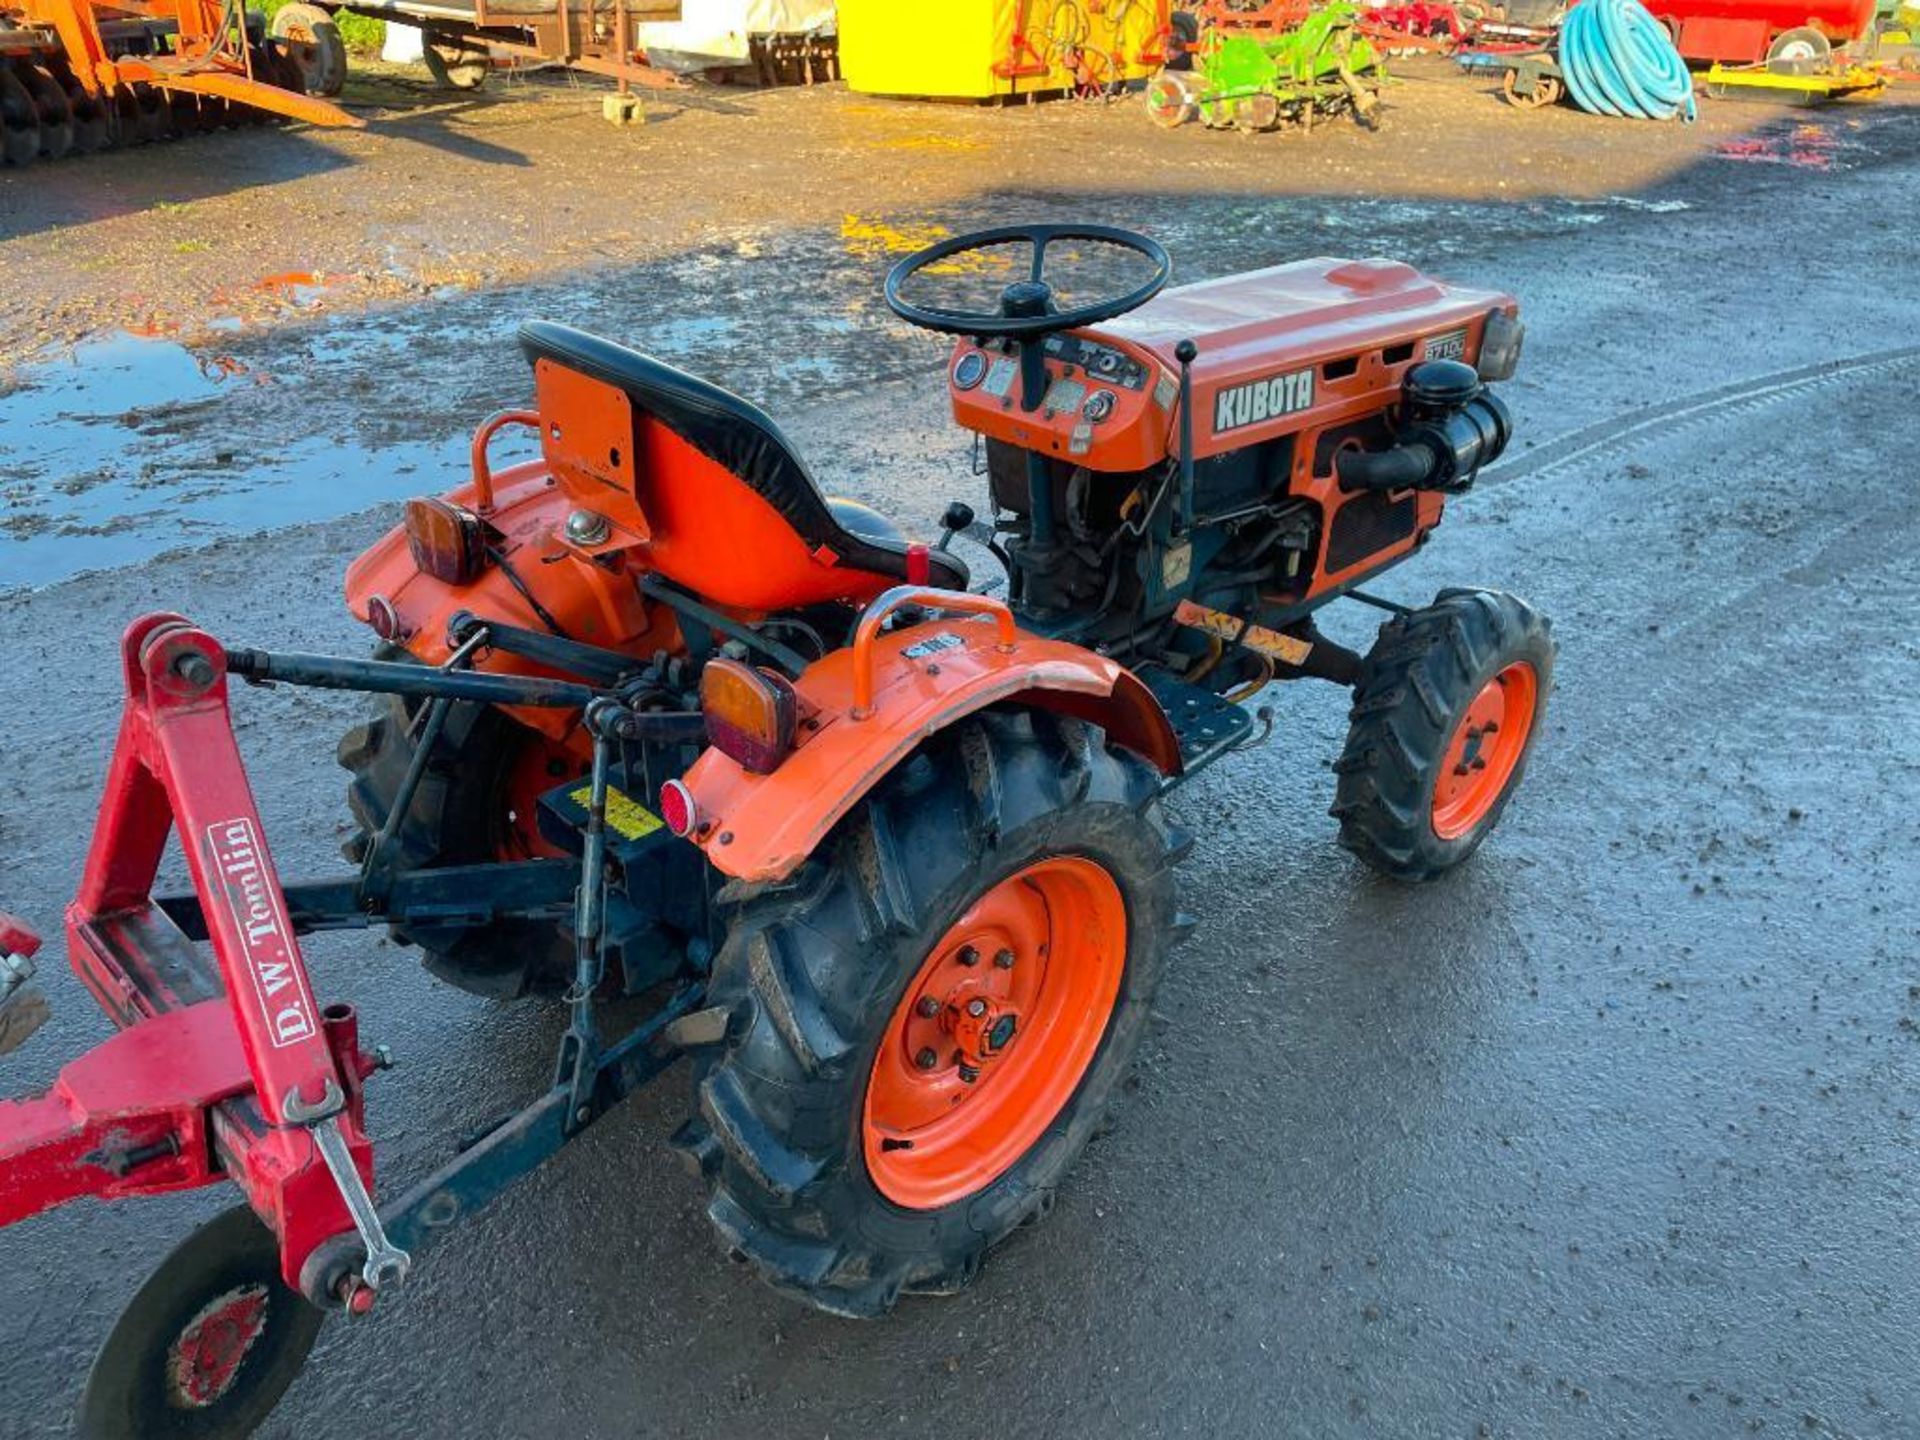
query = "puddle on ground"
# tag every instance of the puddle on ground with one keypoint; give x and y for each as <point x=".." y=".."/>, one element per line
<point x="107" y="457"/>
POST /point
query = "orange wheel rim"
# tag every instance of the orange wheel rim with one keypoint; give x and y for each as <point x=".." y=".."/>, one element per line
<point x="536" y="767"/>
<point x="1486" y="746"/>
<point x="995" y="1032"/>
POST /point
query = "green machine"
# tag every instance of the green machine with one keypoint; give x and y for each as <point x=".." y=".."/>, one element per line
<point x="1319" y="67"/>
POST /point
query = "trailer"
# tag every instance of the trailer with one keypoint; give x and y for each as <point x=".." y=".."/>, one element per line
<point x="462" y="40"/>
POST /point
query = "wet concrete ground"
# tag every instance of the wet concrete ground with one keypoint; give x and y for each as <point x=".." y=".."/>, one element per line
<point x="1611" y="1133"/>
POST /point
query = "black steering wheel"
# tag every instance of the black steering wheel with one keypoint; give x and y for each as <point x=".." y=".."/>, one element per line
<point x="1027" y="311"/>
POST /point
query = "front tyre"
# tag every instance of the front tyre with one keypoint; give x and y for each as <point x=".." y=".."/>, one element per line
<point x="930" y="1020"/>
<point x="1448" y="705"/>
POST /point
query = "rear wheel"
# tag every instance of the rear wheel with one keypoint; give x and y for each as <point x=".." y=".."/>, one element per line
<point x="928" y="1022"/>
<point x="1445" y="714"/>
<point x="475" y="804"/>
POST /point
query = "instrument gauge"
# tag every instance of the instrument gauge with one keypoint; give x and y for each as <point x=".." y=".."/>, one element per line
<point x="970" y="370"/>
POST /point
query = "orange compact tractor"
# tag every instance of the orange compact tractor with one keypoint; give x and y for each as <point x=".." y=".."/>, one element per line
<point x="881" y="852"/>
<point x="89" y="74"/>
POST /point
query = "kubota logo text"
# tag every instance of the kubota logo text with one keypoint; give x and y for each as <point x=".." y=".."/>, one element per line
<point x="261" y="922"/>
<point x="1262" y="400"/>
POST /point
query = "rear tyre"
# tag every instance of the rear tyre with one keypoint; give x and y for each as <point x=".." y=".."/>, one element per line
<point x="474" y="805"/>
<point x="928" y="1021"/>
<point x="1449" y="703"/>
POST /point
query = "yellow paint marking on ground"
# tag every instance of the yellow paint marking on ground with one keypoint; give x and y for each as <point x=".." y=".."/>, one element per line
<point x="872" y="239"/>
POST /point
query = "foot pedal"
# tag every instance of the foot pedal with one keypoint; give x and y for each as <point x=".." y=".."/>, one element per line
<point x="23" y="1008"/>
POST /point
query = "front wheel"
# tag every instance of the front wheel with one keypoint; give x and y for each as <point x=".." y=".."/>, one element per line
<point x="1448" y="706"/>
<point x="929" y="1021"/>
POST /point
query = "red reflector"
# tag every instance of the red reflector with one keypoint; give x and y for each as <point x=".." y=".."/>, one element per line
<point x="677" y="808"/>
<point x="919" y="567"/>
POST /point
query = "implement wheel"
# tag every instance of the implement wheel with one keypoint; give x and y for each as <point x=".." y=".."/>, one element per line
<point x="1170" y="102"/>
<point x="475" y="804"/>
<point x="925" y="1027"/>
<point x="1547" y="90"/>
<point x="209" y="1344"/>
<point x="454" y="67"/>
<point x="1448" y="706"/>
<point x="308" y="36"/>
<point x="1800" y="51"/>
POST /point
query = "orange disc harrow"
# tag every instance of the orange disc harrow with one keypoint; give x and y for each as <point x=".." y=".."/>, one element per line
<point x="995" y="1032"/>
<point x="1486" y="746"/>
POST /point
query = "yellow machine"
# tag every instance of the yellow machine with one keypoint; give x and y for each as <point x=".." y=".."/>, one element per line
<point x="1757" y="82"/>
<point x="983" y="49"/>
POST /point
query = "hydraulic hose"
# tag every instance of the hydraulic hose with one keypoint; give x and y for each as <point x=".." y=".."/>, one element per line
<point x="1619" y="60"/>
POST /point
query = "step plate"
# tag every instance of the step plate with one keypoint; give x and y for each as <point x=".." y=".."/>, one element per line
<point x="1207" y="725"/>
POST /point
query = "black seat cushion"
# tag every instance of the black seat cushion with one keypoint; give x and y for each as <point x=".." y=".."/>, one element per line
<point x="735" y="435"/>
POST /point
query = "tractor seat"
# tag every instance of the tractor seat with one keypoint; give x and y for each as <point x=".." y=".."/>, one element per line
<point x="705" y="533"/>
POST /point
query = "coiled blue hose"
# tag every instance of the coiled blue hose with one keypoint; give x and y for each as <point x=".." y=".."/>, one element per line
<point x="1619" y="60"/>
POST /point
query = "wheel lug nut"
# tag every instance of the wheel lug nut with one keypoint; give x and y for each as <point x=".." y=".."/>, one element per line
<point x="976" y="1007"/>
<point x="926" y="1059"/>
<point x="1004" y="960"/>
<point x="968" y="955"/>
<point x="968" y="1073"/>
<point x="928" y="1006"/>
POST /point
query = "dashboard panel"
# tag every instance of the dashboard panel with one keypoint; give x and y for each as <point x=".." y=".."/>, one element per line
<point x="1106" y="406"/>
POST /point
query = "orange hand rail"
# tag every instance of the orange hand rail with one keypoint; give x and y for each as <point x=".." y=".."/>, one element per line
<point x="883" y="606"/>
<point x="482" y="475"/>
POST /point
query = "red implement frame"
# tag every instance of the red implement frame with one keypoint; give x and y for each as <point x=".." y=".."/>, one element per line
<point x="215" y="1074"/>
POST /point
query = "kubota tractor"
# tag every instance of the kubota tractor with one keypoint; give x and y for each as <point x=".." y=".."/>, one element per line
<point x="884" y="846"/>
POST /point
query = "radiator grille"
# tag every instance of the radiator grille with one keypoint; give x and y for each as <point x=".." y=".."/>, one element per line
<point x="1366" y="524"/>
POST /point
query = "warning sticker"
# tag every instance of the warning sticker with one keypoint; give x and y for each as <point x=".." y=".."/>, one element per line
<point x="626" y="815"/>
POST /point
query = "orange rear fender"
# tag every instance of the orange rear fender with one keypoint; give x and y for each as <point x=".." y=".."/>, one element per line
<point x="862" y="722"/>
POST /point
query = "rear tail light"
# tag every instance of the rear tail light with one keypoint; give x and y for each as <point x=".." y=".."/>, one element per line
<point x="677" y="808"/>
<point x="448" y="541"/>
<point x="750" y="714"/>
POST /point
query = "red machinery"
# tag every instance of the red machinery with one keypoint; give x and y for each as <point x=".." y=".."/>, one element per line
<point x="1751" y="31"/>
